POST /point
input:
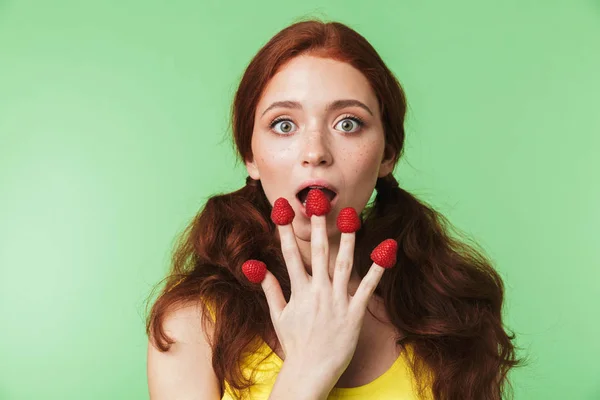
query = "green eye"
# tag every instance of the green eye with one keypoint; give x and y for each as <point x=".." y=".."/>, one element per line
<point x="349" y="121"/>
<point x="284" y="123"/>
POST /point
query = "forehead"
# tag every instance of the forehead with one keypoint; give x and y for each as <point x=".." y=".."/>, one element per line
<point x="316" y="81"/>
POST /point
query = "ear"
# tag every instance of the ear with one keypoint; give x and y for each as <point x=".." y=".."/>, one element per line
<point x="388" y="162"/>
<point x="252" y="169"/>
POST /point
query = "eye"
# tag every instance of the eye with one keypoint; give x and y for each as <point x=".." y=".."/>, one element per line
<point x="284" y="123"/>
<point x="349" y="121"/>
<point x="347" y="124"/>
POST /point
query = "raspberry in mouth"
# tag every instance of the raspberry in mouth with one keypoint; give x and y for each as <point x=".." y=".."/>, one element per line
<point x="301" y="195"/>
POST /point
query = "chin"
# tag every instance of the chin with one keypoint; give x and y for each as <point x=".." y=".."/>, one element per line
<point x="302" y="229"/>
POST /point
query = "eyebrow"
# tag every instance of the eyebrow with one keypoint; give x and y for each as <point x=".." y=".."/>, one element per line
<point x="335" y="105"/>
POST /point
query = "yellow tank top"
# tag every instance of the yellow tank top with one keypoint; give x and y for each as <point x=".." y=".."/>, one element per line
<point x="396" y="383"/>
<point x="262" y="367"/>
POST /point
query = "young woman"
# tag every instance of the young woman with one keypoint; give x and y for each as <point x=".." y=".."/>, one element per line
<point x="317" y="107"/>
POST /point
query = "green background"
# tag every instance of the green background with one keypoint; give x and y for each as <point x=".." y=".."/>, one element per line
<point x="114" y="132"/>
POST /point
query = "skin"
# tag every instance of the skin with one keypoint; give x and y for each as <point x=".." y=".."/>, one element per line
<point x="315" y="143"/>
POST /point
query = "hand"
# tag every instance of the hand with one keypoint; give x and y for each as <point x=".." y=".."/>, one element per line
<point x="320" y="325"/>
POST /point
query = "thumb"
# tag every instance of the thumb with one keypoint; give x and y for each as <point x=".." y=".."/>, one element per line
<point x="273" y="294"/>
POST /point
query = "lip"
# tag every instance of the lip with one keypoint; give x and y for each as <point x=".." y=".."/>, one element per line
<point x="316" y="182"/>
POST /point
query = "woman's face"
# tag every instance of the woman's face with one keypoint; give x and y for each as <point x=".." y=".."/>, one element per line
<point x="307" y="138"/>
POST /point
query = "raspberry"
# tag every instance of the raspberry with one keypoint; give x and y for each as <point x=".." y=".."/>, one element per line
<point x="384" y="254"/>
<point x="282" y="213"/>
<point x="317" y="203"/>
<point x="254" y="270"/>
<point x="348" y="221"/>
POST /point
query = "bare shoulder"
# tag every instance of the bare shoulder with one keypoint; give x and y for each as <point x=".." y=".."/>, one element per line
<point x="185" y="370"/>
<point x="184" y="325"/>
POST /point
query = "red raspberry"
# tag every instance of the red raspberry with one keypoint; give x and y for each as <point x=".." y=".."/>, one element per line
<point x="254" y="270"/>
<point x="282" y="213"/>
<point x="348" y="221"/>
<point x="317" y="203"/>
<point x="384" y="255"/>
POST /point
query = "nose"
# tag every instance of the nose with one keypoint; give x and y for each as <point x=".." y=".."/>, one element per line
<point x="316" y="150"/>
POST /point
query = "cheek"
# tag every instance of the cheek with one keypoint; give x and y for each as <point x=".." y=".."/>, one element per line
<point x="363" y="160"/>
<point x="273" y="162"/>
<point x="274" y="165"/>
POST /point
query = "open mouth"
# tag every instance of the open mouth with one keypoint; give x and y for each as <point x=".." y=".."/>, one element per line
<point x="301" y="195"/>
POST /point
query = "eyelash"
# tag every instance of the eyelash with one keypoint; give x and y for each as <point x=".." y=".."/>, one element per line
<point x="354" y="118"/>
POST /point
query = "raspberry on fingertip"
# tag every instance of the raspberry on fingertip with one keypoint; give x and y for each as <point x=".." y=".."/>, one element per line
<point x="384" y="254"/>
<point x="282" y="212"/>
<point x="254" y="270"/>
<point x="317" y="203"/>
<point x="348" y="220"/>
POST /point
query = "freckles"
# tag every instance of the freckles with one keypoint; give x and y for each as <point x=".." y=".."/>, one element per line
<point x="284" y="154"/>
<point x="366" y="160"/>
<point x="274" y="159"/>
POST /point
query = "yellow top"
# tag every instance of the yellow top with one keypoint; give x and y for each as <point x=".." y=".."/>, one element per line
<point x="396" y="383"/>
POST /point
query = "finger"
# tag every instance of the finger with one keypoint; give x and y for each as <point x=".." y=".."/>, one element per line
<point x="343" y="266"/>
<point x="291" y="255"/>
<point x="319" y="248"/>
<point x="367" y="286"/>
<point x="274" y="295"/>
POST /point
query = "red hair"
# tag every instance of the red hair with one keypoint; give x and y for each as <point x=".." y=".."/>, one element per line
<point x="444" y="294"/>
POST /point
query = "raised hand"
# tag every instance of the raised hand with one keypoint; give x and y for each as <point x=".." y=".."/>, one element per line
<point x="319" y="327"/>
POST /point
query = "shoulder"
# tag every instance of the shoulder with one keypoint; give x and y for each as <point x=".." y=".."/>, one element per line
<point x="184" y="324"/>
<point x="185" y="370"/>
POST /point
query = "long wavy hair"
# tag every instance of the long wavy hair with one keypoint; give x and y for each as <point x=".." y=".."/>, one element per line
<point x="444" y="294"/>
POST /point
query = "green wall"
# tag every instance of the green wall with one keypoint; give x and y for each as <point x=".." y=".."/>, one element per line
<point x="113" y="116"/>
